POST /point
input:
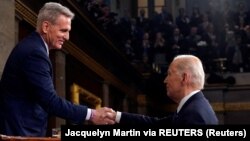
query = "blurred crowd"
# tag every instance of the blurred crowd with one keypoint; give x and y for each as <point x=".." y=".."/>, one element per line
<point x="219" y="37"/>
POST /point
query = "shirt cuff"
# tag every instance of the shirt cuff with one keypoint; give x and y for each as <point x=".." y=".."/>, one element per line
<point x="88" y="114"/>
<point x="118" y="117"/>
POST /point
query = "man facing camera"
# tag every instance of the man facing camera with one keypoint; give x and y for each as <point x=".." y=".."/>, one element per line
<point x="27" y="95"/>
<point x="184" y="82"/>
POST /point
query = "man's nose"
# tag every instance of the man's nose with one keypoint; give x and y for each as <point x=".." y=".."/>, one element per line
<point x="165" y="80"/>
<point x="66" y="36"/>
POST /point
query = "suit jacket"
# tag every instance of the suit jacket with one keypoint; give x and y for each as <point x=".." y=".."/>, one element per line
<point x="196" y="111"/>
<point x="27" y="94"/>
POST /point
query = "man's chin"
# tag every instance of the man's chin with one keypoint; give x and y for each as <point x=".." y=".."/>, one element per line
<point x="58" y="47"/>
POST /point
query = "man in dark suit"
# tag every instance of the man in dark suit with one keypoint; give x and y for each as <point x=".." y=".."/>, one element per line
<point x="184" y="82"/>
<point x="27" y="94"/>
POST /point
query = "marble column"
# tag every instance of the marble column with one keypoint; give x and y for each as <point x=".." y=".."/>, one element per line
<point x="7" y="30"/>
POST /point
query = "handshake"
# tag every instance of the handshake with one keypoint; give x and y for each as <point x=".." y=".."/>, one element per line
<point x="103" y="116"/>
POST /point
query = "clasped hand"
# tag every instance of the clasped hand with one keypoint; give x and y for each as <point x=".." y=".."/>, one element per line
<point x="103" y="116"/>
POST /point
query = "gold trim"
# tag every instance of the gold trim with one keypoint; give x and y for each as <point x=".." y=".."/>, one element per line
<point x="218" y="107"/>
<point x="232" y="106"/>
<point x="79" y="94"/>
<point x="238" y="106"/>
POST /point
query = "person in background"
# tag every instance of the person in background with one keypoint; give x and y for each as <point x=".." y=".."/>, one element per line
<point x="28" y="96"/>
<point x="184" y="82"/>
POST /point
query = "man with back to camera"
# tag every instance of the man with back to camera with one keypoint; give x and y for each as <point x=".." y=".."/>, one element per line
<point x="184" y="81"/>
<point x="28" y="96"/>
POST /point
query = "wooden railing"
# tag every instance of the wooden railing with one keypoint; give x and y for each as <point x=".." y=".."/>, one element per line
<point x="79" y="94"/>
<point x="19" y="138"/>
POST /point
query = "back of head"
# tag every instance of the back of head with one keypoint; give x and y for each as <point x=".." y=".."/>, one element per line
<point x="192" y="65"/>
<point x="51" y="11"/>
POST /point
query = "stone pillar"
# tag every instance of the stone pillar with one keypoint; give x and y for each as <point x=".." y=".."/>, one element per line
<point x="105" y="88"/>
<point x="7" y="30"/>
<point x="59" y="76"/>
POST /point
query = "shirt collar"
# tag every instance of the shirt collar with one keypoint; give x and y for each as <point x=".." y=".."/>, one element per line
<point x="183" y="101"/>
<point x="46" y="45"/>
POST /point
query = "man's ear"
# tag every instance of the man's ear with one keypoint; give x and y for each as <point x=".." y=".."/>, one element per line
<point x="45" y="26"/>
<point x="185" y="77"/>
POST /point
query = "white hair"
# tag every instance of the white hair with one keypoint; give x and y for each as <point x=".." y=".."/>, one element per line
<point x="51" y="11"/>
<point x="193" y="65"/>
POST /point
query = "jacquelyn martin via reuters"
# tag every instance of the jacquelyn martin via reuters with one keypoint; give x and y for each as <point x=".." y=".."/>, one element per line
<point x="71" y="132"/>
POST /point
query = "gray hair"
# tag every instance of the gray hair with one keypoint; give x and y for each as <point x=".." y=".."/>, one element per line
<point x="51" y="11"/>
<point x="192" y="65"/>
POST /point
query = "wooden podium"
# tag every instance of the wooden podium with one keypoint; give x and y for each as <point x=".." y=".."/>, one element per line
<point x="19" y="138"/>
